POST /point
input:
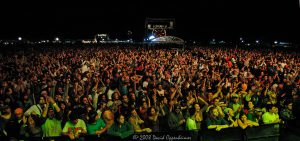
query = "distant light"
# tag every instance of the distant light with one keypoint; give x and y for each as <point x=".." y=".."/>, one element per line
<point x="213" y="40"/>
<point x="151" y="37"/>
<point x="275" y="42"/>
<point x="56" y="39"/>
<point x="241" y="39"/>
<point x="257" y="41"/>
<point x="20" y="38"/>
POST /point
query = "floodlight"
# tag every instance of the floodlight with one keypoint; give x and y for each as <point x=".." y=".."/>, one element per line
<point x="151" y="37"/>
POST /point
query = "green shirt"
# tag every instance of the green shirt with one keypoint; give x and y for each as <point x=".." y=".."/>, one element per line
<point x="269" y="118"/>
<point x="191" y="124"/>
<point x="92" y="128"/>
<point x="122" y="131"/>
<point x="250" y="115"/>
<point x="52" y="128"/>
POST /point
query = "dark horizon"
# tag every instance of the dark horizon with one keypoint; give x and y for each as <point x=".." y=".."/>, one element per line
<point x="202" y="20"/>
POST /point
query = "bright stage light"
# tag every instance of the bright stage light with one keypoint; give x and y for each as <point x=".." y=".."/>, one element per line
<point x="151" y="37"/>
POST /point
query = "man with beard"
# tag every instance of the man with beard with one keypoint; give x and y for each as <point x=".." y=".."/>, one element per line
<point x="176" y="120"/>
<point x="52" y="126"/>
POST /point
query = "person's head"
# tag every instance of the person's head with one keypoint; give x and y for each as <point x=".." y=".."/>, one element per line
<point x="145" y="105"/>
<point x="77" y="99"/>
<point x="214" y="112"/>
<point x="42" y="100"/>
<point x="60" y="90"/>
<point x="216" y="101"/>
<point x="281" y="86"/>
<point x="51" y="113"/>
<point x="89" y="108"/>
<point x="125" y="99"/>
<point x="102" y="106"/>
<point x="9" y="91"/>
<point x="93" y="117"/>
<point x="243" y="117"/>
<point x="197" y="107"/>
<point x="160" y="87"/>
<point x="7" y="100"/>
<point x="165" y="100"/>
<point x="229" y="112"/>
<point x="25" y="96"/>
<point x="177" y="108"/>
<point x="107" y="81"/>
<point x="210" y="95"/>
<point x="58" y="97"/>
<point x="115" y="96"/>
<point x="121" y="119"/>
<point x="235" y="98"/>
<point x="132" y="96"/>
<point x="62" y="105"/>
<point x="6" y="109"/>
<point x="289" y="105"/>
<point x="4" y="84"/>
<point x="272" y="108"/>
<point x="85" y="100"/>
<point x="19" y="113"/>
<point x="44" y="93"/>
<point x="152" y="111"/>
<point x="133" y="112"/>
<point x="73" y="117"/>
<point x="250" y="105"/>
<point x="258" y="112"/>
<point x="103" y="98"/>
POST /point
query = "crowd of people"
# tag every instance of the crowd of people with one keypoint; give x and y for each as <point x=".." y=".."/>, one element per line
<point x="119" y="91"/>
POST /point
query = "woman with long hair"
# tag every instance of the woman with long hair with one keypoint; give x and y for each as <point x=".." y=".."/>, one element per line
<point x="153" y="120"/>
<point x="244" y="122"/>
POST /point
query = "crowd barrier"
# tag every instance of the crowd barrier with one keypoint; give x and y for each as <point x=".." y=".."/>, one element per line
<point x="261" y="133"/>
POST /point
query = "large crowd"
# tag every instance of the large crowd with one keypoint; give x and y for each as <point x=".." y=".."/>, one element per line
<point x="119" y="91"/>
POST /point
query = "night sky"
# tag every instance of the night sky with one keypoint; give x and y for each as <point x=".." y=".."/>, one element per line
<point x="197" y="20"/>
